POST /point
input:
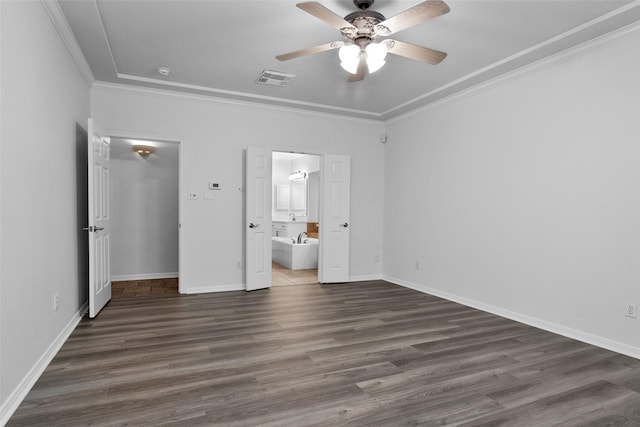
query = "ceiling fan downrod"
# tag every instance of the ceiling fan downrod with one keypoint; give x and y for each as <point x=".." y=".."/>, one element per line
<point x="363" y="4"/>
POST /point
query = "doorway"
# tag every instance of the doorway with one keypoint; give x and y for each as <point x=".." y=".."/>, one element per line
<point x="334" y="218"/>
<point x="295" y="202"/>
<point x="145" y="215"/>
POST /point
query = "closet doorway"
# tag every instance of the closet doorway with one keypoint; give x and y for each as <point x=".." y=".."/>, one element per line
<point x="145" y="217"/>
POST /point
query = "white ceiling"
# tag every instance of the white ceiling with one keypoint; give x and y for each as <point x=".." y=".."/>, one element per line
<point x="220" y="47"/>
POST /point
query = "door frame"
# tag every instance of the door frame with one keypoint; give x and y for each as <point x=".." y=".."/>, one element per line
<point x="172" y="139"/>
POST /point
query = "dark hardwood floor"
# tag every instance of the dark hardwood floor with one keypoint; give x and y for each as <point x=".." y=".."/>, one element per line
<point x="357" y="354"/>
<point x="136" y="288"/>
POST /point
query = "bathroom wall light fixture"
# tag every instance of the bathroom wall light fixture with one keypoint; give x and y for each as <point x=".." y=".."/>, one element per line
<point x="297" y="176"/>
<point x="144" y="150"/>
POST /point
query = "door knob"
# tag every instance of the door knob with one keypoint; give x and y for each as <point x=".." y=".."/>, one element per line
<point x="89" y="229"/>
<point x="252" y="225"/>
<point x="345" y="225"/>
<point x="98" y="228"/>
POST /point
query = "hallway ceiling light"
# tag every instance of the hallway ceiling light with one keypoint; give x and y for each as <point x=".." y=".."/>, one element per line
<point x="144" y="150"/>
<point x="297" y="176"/>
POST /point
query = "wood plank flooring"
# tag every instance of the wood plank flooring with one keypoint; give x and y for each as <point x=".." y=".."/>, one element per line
<point x="357" y="354"/>
<point x="136" y="288"/>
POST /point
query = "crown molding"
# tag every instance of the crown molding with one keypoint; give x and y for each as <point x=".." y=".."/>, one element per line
<point x="52" y="7"/>
<point x="252" y="98"/>
<point x="245" y="103"/>
<point x="588" y="47"/>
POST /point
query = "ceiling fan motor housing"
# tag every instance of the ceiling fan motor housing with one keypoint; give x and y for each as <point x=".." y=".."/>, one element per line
<point x="365" y="22"/>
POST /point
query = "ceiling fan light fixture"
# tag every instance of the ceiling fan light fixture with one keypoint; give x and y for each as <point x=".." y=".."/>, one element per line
<point x="375" y="65"/>
<point x="351" y="67"/>
<point x="350" y="57"/>
<point x="376" y="52"/>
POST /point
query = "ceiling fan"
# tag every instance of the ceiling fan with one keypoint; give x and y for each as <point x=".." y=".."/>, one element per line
<point x="360" y="52"/>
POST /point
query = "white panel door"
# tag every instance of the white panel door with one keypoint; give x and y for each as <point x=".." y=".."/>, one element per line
<point x="99" y="152"/>
<point x="333" y="261"/>
<point x="258" y="219"/>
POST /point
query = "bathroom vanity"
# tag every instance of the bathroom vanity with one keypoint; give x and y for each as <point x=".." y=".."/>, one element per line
<point x="289" y="229"/>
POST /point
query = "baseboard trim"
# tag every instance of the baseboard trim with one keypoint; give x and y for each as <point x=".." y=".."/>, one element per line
<point x="20" y="392"/>
<point x="365" y="278"/>
<point x="211" y="288"/>
<point x="125" y="277"/>
<point x="241" y="287"/>
<point x="555" y="328"/>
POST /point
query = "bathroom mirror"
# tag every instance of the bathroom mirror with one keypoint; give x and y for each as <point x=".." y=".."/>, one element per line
<point x="291" y="198"/>
<point x="281" y="196"/>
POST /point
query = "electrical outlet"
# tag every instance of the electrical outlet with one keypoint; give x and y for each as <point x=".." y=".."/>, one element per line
<point x="239" y="265"/>
<point x="192" y="195"/>
<point x="417" y="265"/>
<point x="631" y="310"/>
<point x="377" y="258"/>
<point x="55" y="302"/>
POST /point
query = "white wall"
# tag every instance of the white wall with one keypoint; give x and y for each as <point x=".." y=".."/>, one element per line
<point x="523" y="197"/>
<point x="305" y="163"/>
<point x="44" y="98"/>
<point x="144" y="202"/>
<point x="214" y="135"/>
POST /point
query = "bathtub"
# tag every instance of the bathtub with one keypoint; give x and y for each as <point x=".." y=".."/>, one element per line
<point x="295" y="256"/>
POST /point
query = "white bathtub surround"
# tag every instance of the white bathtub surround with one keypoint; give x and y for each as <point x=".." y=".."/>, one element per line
<point x="295" y="256"/>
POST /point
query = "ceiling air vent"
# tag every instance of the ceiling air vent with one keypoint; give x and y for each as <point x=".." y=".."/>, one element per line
<point x="274" y="78"/>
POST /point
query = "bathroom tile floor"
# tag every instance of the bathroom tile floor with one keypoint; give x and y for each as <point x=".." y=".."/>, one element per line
<point x="284" y="277"/>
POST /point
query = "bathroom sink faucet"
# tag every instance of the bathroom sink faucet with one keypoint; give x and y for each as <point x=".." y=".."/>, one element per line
<point x="301" y="236"/>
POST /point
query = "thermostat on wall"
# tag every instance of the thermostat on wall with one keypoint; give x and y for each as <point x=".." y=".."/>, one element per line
<point x="214" y="186"/>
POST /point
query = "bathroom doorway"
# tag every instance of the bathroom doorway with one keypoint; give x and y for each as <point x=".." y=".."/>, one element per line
<point x="295" y="211"/>
<point x="334" y="223"/>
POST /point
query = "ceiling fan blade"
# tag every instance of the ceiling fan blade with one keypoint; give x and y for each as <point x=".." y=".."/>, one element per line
<point x="310" y="51"/>
<point x="324" y="14"/>
<point x="359" y="75"/>
<point x="412" y="16"/>
<point x="416" y="52"/>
